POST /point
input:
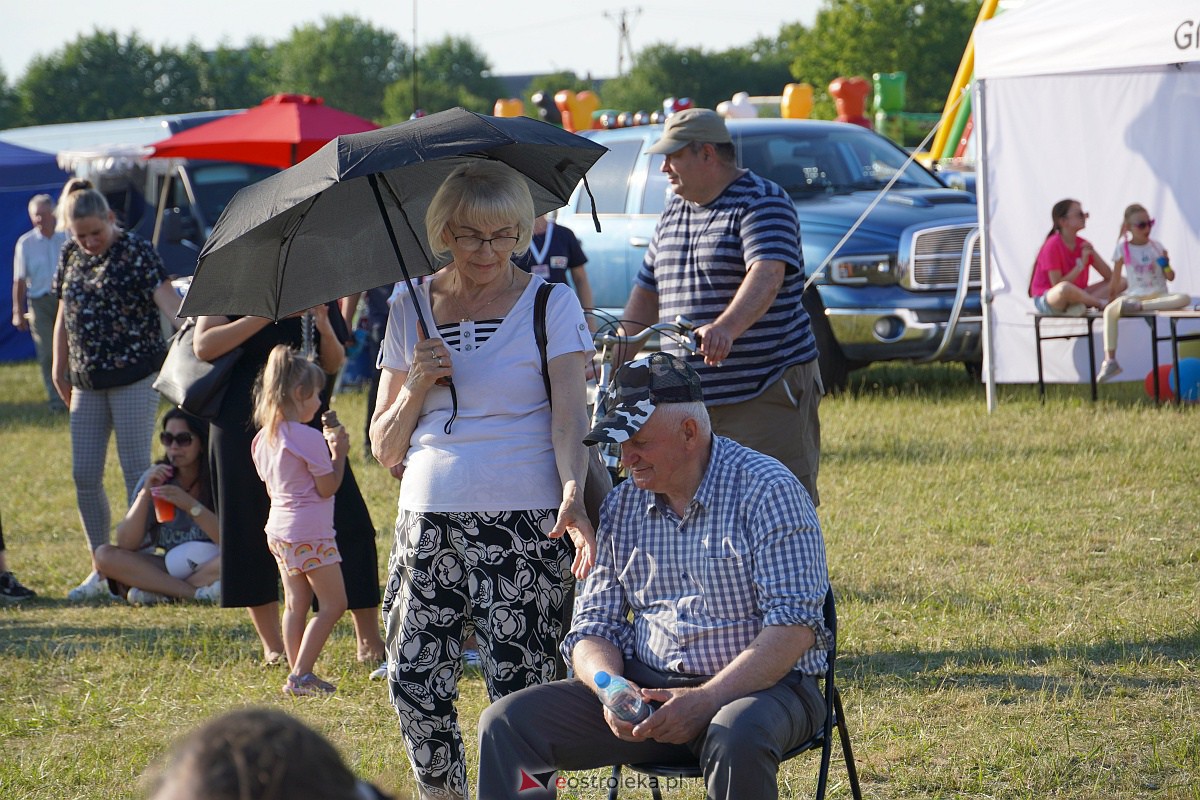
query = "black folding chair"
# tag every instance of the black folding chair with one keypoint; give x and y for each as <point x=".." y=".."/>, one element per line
<point x="823" y="739"/>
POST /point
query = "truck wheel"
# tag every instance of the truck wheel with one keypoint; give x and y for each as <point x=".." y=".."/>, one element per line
<point x="835" y="370"/>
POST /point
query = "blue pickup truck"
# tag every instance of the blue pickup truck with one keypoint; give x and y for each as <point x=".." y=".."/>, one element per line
<point x="903" y="280"/>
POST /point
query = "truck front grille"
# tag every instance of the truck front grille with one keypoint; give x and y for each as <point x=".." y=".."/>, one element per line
<point x="935" y="259"/>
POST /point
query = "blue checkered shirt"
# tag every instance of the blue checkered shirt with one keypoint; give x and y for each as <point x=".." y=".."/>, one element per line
<point x="747" y="553"/>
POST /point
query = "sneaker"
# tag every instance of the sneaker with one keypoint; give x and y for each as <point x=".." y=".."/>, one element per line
<point x="380" y="672"/>
<point x="94" y="587"/>
<point x="304" y="685"/>
<point x="1108" y="370"/>
<point x="1075" y="310"/>
<point x="209" y="594"/>
<point x="11" y="590"/>
<point x="142" y="597"/>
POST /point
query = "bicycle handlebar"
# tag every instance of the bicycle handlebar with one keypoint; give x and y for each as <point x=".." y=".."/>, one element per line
<point x="682" y="330"/>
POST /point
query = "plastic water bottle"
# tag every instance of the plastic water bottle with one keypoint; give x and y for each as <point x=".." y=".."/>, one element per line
<point x="621" y="698"/>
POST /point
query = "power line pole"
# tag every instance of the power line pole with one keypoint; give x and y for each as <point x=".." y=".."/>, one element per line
<point x="416" y="97"/>
<point x="624" y="45"/>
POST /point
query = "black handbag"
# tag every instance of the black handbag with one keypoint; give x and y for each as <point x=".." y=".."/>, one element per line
<point x="599" y="480"/>
<point x="195" y="385"/>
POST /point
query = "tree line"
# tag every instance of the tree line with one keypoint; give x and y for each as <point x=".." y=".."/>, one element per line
<point x="368" y="70"/>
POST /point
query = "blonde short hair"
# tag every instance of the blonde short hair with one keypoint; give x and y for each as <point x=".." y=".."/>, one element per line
<point x="481" y="194"/>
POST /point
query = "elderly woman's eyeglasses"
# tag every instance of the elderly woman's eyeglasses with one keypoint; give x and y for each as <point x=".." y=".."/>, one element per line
<point x="182" y="439"/>
<point x="500" y="244"/>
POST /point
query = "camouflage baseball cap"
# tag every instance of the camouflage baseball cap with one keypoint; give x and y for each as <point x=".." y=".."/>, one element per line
<point x="638" y="387"/>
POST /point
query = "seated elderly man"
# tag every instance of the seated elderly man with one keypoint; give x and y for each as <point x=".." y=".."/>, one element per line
<point x="717" y="552"/>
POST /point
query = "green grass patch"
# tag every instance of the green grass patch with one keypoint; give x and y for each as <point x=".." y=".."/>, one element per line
<point x="1017" y="595"/>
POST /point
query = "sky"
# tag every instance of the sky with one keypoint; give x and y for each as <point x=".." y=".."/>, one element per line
<point x="517" y="36"/>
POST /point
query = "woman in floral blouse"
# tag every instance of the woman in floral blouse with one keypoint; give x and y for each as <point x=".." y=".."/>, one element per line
<point x="108" y="346"/>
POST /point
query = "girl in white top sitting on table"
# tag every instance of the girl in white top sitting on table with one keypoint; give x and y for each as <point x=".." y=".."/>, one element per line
<point x="1149" y="269"/>
<point x="302" y="469"/>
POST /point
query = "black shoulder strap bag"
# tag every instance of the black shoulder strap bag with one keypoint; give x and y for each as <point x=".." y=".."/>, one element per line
<point x="599" y="481"/>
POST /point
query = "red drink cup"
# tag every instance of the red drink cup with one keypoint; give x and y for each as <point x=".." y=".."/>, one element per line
<point x="164" y="509"/>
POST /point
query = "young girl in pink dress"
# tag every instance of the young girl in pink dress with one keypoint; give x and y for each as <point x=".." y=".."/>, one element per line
<point x="302" y="468"/>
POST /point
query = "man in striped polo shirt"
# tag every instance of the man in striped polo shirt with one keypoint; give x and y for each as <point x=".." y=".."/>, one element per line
<point x="726" y="254"/>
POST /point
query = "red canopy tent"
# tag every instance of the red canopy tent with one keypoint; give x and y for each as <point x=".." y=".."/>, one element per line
<point x="281" y="131"/>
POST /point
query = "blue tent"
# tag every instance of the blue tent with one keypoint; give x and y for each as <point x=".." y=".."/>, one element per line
<point x="23" y="173"/>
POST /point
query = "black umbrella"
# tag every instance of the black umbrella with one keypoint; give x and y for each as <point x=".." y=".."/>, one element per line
<point x="352" y="216"/>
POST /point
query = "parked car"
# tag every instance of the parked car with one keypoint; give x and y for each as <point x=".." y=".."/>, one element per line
<point x="904" y="277"/>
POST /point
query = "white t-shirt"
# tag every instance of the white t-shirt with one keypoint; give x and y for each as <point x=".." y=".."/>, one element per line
<point x="498" y="455"/>
<point x="35" y="260"/>
<point x="1145" y="276"/>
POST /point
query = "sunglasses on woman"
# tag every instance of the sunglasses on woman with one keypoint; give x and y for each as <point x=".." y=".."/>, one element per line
<point x="1145" y="223"/>
<point x="182" y="439"/>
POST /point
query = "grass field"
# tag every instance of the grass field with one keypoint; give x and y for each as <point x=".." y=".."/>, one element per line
<point x="1017" y="596"/>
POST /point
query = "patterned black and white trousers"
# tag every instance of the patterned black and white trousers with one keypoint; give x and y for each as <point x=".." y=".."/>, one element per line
<point x="449" y="574"/>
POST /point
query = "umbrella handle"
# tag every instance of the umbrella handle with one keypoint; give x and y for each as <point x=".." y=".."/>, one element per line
<point x="373" y="179"/>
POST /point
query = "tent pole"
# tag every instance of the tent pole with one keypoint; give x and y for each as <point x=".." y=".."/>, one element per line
<point x="985" y="266"/>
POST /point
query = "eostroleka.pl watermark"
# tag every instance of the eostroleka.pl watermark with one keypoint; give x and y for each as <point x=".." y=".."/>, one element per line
<point x="628" y="780"/>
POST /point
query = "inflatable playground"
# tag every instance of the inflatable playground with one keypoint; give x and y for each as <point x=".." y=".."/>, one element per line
<point x="584" y="110"/>
<point x="953" y="144"/>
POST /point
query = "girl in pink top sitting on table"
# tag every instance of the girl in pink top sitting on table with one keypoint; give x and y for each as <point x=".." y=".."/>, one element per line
<point x="302" y="468"/>
<point x="1059" y="285"/>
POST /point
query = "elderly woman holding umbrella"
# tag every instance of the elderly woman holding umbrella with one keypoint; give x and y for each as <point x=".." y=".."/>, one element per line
<point x="493" y="474"/>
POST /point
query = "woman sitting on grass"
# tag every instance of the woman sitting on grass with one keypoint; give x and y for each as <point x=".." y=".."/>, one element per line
<point x="171" y="512"/>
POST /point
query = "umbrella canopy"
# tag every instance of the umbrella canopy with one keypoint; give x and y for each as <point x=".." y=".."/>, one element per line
<point x="352" y="217"/>
<point x="283" y="130"/>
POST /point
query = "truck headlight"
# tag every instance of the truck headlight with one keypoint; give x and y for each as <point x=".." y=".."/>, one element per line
<point x="861" y="270"/>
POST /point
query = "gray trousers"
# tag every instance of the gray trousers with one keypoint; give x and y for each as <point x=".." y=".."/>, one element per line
<point x="527" y="736"/>
<point x="95" y="415"/>
<point x="782" y="422"/>
<point x="44" y="310"/>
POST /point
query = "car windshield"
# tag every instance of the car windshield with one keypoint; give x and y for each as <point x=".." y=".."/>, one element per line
<point x="811" y="163"/>
<point x="216" y="183"/>
<point x="831" y="162"/>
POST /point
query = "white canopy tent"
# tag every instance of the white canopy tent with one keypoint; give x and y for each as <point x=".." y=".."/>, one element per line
<point x="1096" y="100"/>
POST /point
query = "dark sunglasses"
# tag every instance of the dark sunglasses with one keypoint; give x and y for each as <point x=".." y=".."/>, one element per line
<point x="181" y="439"/>
<point x="1149" y="223"/>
